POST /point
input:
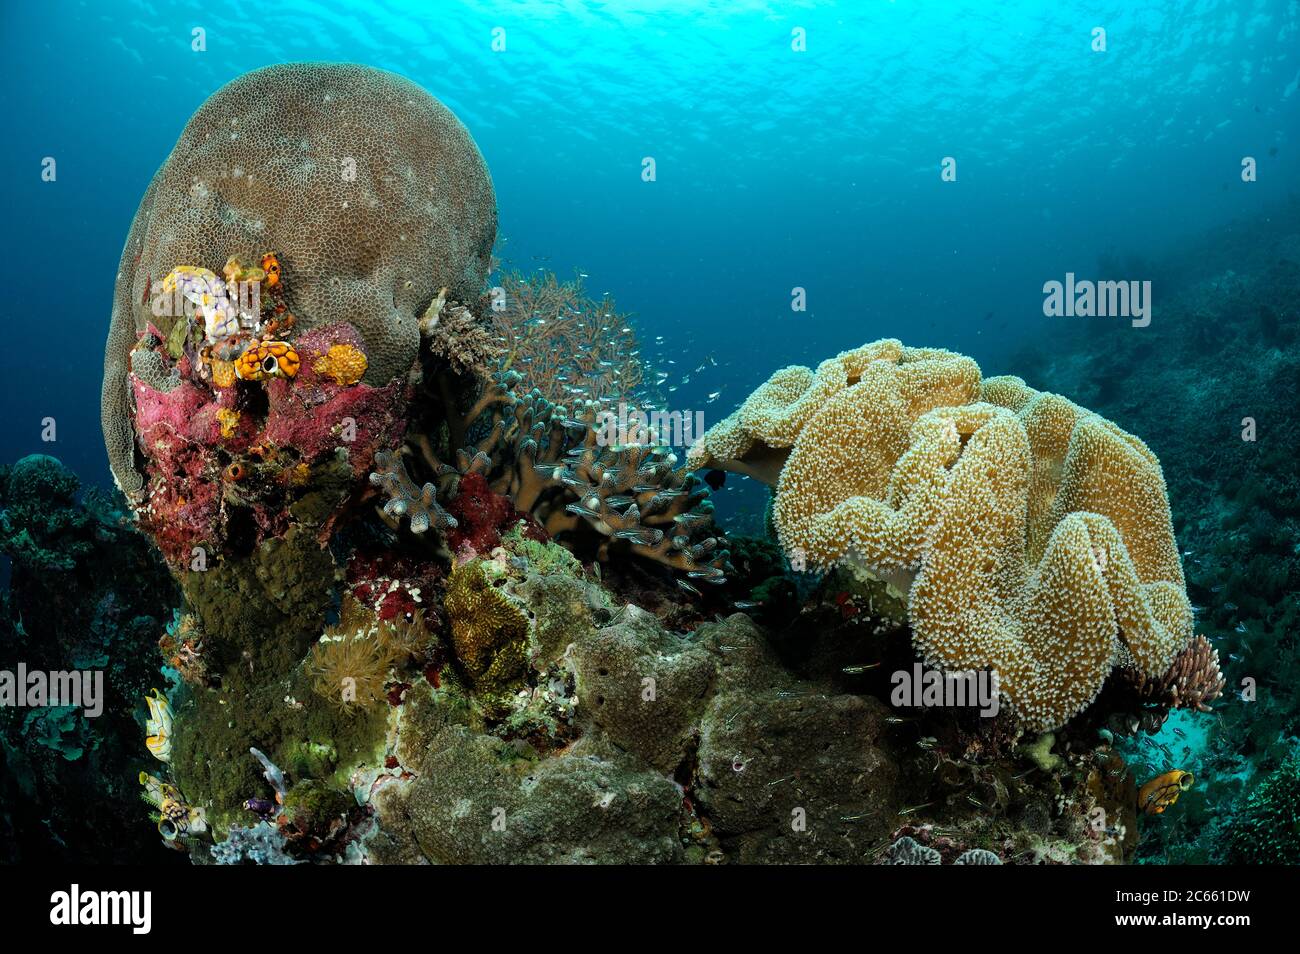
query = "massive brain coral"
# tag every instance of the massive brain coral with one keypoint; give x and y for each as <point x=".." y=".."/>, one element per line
<point x="1032" y="537"/>
<point x="370" y="191"/>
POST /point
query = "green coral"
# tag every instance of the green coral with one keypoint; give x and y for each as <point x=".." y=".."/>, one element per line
<point x="489" y="629"/>
<point x="41" y="526"/>
<point x="547" y="558"/>
<point x="262" y="611"/>
<point x="300" y="732"/>
<point x="1266" y="829"/>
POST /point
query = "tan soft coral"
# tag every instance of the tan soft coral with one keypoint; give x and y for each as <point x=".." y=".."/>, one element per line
<point x="1031" y="536"/>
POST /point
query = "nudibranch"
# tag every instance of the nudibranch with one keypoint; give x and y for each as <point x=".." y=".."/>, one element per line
<point x="207" y="293"/>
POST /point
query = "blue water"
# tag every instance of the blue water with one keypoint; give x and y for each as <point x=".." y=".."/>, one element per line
<point x="775" y="168"/>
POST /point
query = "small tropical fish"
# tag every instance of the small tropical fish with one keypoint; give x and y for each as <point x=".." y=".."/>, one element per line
<point x="857" y="670"/>
<point x="1163" y="790"/>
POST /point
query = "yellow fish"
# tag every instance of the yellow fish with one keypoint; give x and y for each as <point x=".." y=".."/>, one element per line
<point x="1163" y="790"/>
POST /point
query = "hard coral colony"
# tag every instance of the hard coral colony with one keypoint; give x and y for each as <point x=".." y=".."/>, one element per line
<point x="416" y="573"/>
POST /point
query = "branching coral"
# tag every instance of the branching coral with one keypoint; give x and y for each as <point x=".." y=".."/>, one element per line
<point x="454" y="335"/>
<point x="407" y="499"/>
<point x="565" y="343"/>
<point x="1031" y="536"/>
<point x="552" y="466"/>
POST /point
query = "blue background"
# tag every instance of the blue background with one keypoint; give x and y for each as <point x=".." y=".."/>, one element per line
<point x="775" y="168"/>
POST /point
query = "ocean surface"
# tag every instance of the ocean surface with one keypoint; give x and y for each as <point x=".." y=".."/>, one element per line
<point x="776" y="168"/>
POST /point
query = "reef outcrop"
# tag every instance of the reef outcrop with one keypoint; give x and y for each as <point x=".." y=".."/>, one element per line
<point x="370" y="192"/>
<point x="436" y="608"/>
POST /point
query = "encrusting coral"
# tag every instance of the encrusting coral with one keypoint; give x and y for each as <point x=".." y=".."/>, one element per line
<point x="1030" y="536"/>
<point x="489" y="629"/>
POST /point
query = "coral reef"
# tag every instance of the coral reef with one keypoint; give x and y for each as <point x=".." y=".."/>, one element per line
<point x="434" y="612"/>
<point x="383" y="200"/>
<point x="262" y="844"/>
<point x="1217" y="409"/>
<point x="1192" y="680"/>
<point x="86" y="593"/>
<point x="489" y="630"/>
<point x="1023" y="530"/>
<point x="1266" y="828"/>
<point x="633" y="498"/>
<point x="351" y="662"/>
<point x="455" y="337"/>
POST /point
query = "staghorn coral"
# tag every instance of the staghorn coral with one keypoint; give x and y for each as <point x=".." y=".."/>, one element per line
<point x="371" y="192"/>
<point x="1029" y="535"/>
<point x="564" y="342"/>
<point x="554" y="467"/>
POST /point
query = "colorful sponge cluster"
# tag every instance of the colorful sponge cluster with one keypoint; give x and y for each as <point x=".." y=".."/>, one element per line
<point x="1031" y="536"/>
